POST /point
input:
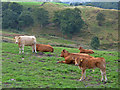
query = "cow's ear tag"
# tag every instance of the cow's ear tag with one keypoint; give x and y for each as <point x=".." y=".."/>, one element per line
<point x="81" y="60"/>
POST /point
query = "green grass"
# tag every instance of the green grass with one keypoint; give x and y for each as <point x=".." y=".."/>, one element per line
<point x="32" y="70"/>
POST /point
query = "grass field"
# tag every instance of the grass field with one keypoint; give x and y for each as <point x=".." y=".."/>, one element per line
<point x="39" y="70"/>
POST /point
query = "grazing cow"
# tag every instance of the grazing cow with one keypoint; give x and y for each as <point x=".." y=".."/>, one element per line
<point x="25" y="41"/>
<point x="86" y="51"/>
<point x="44" y="48"/>
<point x="91" y="63"/>
<point x="69" y="57"/>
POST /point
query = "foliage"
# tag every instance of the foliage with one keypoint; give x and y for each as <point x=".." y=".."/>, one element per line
<point x="41" y="16"/>
<point x="101" y="18"/>
<point x="69" y="20"/>
<point x="9" y="19"/>
<point x="25" y="20"/>
<point x="16" y="7"/>
<point x="95" y="43"/>
<point x="5" y="5"/>
<point x="106" y="5"/>
<point x="14" y="17"/>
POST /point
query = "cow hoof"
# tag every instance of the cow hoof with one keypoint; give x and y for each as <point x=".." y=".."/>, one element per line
<point x="105" y="82"/>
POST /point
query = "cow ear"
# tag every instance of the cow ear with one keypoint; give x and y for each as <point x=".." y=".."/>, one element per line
<point x="64" y="50"/>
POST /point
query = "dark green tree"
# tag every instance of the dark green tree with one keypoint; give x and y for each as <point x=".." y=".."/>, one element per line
<point x="69" y="21"/>
<point x="5" y="5"/>
<point x="42" y="16"/>
<point x="95" y="42"/>
<point x="25" y="20"/>
<point x="9" y="19"/>
<point x="100" y="18"/>
<point x="16" y="7"/>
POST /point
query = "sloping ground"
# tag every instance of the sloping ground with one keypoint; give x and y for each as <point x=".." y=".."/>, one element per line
<point x="42" y="39"/>
<point x="107" y="33"/>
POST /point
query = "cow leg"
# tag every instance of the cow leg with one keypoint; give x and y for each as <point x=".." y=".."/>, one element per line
<point x="35" y="48"/>
<point x="22" y="48"/>
<point x="19" y="50"/>
<point x="105" y="77"/>
<point x="102" y="73"/>
<point x="66" y="62"/>
<point x="83" y="71"/>
<point x="32" y="48"/>
<point x="85" y="74"/>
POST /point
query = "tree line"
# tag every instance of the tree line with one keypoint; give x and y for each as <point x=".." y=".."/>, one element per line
<point x="105" y="5"/>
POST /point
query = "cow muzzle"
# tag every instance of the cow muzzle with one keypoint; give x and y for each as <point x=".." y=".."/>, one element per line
<point x="16" y="42"/>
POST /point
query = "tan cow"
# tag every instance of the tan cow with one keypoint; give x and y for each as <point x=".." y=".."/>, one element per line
<point x="87" y="51"/>
<point x="91" y="63"/>
<point x="69" y="57"/>
<point x="25" y="41"/>
<point x="44" y="48"/>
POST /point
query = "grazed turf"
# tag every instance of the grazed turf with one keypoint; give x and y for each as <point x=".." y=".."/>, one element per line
<point x="40" y="70"/>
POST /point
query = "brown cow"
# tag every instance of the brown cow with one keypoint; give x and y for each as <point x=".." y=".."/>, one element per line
<point x="91" y="63"/>
<point x="44" y="48"/>
<point x="69" y="57"/>
<point x="86" y="51"/>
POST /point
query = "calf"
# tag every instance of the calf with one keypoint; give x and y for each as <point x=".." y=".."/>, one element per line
<point x="69" y="57"/>
<point x="91" y="63"/>
<point x="44" y="48"/>
<point x="86" y="51"/>
<point x="25" y="41"/>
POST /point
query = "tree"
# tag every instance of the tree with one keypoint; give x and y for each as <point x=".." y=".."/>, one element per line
<point x="9" y="19"/>
<point x="16" y="7"/>
<point x="100" y="18"/>
<point x="95" y="43"/>
<point x="69" y="21"/>
<point x="41" y="16"/>
<point x="25" y="20"/>
<point x="5" y="5"/>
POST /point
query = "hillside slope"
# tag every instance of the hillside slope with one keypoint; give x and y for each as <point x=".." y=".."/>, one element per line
<point x="107" y="33"/>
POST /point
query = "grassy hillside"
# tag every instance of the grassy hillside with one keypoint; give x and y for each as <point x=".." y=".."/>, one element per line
<point x="108" y="33"/>
<point x="40" y="70"/>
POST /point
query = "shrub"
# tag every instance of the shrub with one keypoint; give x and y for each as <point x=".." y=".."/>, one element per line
<point x="95" y="43"/>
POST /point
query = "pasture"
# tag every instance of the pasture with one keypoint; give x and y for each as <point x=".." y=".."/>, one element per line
<point x="30" y="70"/>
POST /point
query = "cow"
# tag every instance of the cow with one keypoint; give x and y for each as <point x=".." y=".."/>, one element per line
<point x="69" y="56"/>
<point x="44" y="48"/>
<point x="91" y="63"/>
<point x="25" y="41"/>
<point x="89" y="51"/>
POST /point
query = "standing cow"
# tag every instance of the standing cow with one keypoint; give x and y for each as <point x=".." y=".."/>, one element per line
<point x="25" y="41"/>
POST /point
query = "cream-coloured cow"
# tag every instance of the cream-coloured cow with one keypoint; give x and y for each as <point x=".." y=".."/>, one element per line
<point x="25" y="41"/>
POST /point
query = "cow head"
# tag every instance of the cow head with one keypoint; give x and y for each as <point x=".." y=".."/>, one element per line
<point x="64" y="53"/>
<point x="16" y="39"/>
